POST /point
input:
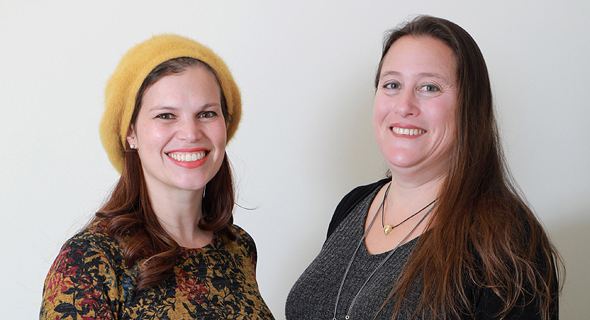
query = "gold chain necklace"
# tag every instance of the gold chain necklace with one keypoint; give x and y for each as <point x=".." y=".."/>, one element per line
<point x="347" y="317"/>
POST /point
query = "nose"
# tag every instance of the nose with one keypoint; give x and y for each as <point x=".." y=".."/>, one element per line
<point x="189" y="130"/>
<point x="406" y="105"/>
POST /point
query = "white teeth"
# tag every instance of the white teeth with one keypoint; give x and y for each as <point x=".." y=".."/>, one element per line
<point x="408" y="132"/>
<point x="187" y="156"/>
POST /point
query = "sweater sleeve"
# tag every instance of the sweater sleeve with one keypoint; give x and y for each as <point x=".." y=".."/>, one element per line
<point x="81" y="284"/>
<point x="487" y="306"/>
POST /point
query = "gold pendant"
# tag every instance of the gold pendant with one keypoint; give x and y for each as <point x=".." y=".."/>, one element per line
<point x="387" y="229"/>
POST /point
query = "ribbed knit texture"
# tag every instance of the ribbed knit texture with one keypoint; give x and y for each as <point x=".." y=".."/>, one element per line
<point x="314" y="295"/>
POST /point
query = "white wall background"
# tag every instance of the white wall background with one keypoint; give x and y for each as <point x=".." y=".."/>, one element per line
<point x="305" y="69"/>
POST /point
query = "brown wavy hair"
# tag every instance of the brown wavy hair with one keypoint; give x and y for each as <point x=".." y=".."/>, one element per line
<point x="129" y="213"/>
<point x="483" y="233"/>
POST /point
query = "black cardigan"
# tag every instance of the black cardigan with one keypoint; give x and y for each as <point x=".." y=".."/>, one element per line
<point x="350" y="201"/>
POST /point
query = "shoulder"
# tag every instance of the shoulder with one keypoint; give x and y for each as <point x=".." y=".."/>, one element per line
<point x="88" y="253"/>
<point x="350" y="200"/>
<point x="244" y="239"/>
<point x="94" y="238"/>
<point x="91" y="246"/>
<point x="243" y="248"/>
<point x="84" y="270"/>
<point x="242" y="235"/>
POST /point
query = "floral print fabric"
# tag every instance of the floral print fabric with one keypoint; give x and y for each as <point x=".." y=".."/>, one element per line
<point x="90" y="280"/>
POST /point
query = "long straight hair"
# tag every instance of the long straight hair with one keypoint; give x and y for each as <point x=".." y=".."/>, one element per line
<point x="483" y="232"/>
<point x="129" y="212"/>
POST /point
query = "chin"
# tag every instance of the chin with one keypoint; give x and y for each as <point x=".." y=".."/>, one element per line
<point x="192" y="185"/>
<point x="188" y="184"/>
<point x="400" y="159"/>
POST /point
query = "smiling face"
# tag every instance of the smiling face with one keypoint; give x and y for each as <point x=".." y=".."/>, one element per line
<point x="415" y="105"/>
<point x="180" y="132"/>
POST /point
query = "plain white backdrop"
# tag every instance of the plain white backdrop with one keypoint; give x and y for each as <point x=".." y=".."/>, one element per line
<point x="305" y="69"/>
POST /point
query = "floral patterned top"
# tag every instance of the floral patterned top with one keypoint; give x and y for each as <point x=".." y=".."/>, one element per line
<point x="90" y="280"/>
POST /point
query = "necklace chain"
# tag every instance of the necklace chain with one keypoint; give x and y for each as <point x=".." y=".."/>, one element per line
<point x="380" y="264"/>
<point x="388" y="228"/>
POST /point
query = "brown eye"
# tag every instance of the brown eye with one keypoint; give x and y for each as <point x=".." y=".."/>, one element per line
<point x="391" y="85"/>
<point x="207" y="114"/>
<point x="166" y="116"/>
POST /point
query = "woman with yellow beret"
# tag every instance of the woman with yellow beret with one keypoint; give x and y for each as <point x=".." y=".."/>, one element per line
<point x="164" y="245"/>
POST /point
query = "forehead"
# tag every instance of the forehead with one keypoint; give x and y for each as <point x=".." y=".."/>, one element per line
<point x="197" y="80"/>
<point x="420" y="54"/>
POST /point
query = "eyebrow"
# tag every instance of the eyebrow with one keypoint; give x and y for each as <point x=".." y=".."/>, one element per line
<point x="421" y="74"/>
<point x="160" y="108"/>
<point x="165" y="107"/>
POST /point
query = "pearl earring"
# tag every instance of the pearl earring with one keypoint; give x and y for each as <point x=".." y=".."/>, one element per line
<point x="132" y="146"/>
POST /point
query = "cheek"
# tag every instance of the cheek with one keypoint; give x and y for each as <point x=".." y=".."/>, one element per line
<point x="444" y="111"/>
<point x="379" y="109"/>
<point x="450" y="127"/>
<point x="147" y="134"/>
<point x="451" y="120"/>
<point x="219" y="134"/>
<point x="379" y="115"/>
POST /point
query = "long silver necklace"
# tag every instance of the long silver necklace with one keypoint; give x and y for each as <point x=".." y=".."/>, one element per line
<point x="347" y="317"/>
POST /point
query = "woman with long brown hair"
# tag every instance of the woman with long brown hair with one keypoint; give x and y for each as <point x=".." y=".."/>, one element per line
<point x="164" y="245"/>
<point x="447" y="235"/>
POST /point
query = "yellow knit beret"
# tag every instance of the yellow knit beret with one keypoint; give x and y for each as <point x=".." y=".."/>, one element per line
<point x="134" y="67"/>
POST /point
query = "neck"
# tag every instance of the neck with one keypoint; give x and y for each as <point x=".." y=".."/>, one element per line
<point x="179" y="213"/>
<point x="420" y="176"/>
<point x="408" y="190"/>
<point x="405" y="199"/>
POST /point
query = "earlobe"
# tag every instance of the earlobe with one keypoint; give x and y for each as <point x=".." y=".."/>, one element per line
<point x="131" y="138"/>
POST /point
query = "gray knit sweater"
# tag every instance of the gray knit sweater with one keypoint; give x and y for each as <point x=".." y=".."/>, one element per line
<point x="314" y="295"/>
